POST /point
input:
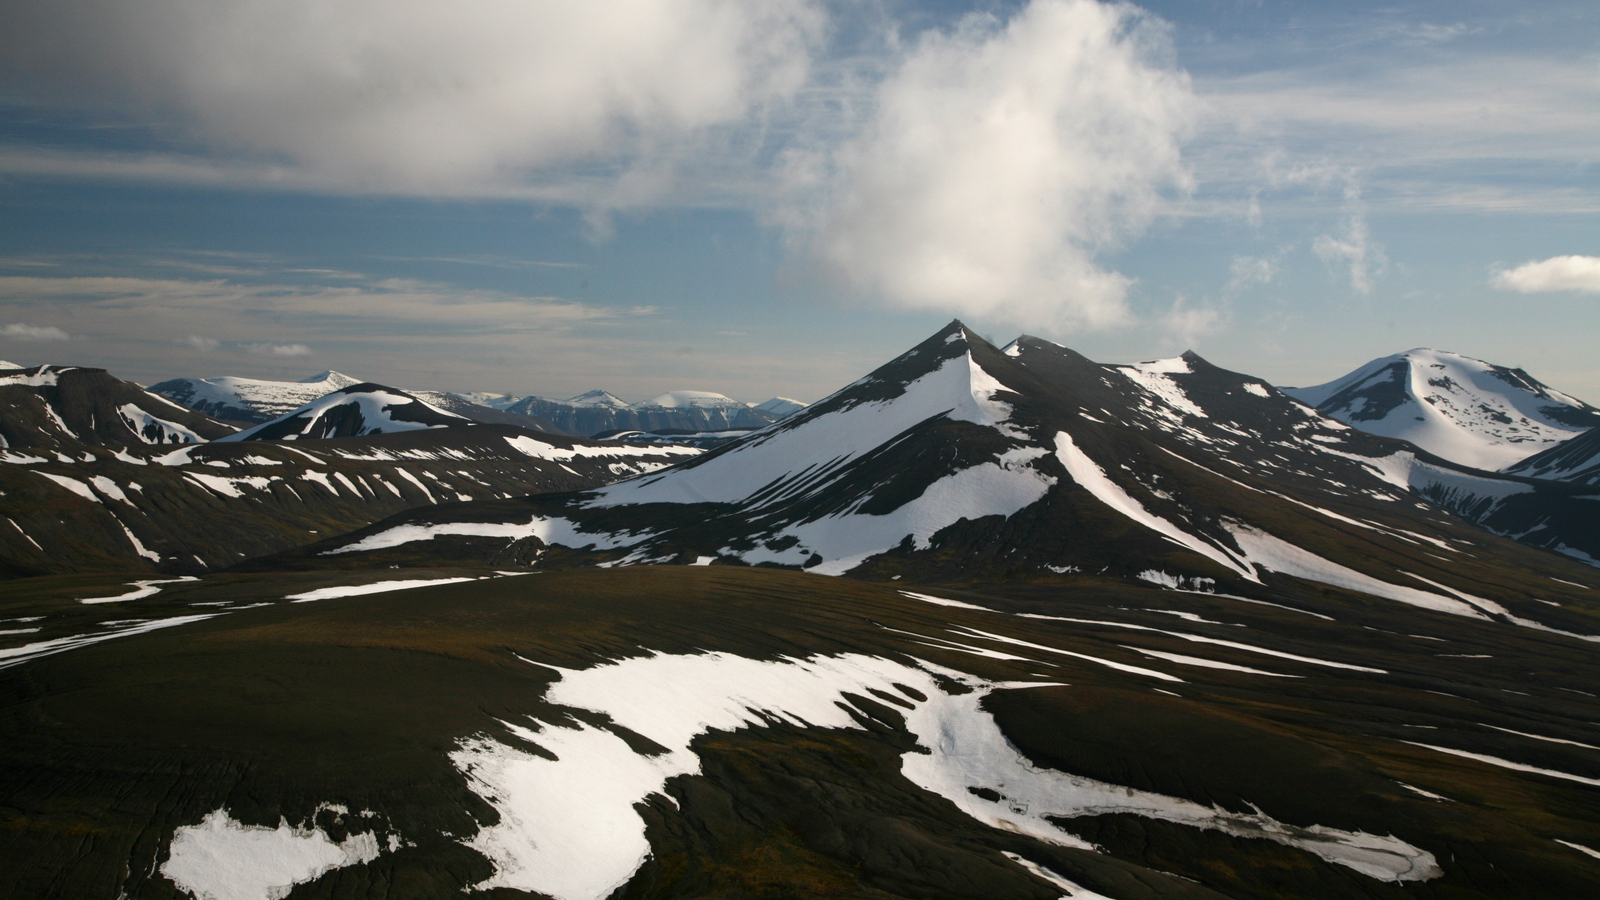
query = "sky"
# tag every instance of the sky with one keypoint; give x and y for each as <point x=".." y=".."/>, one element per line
<point x="535" y="196"/>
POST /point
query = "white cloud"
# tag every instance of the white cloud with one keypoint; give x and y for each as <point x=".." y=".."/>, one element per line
<point x="1187" y="324"/>
<point x="417" y="95"/>
<point x="1246" y="271"/>
<point x="1558" y="273"/>
<point x="18" y="331"/>
<point x="1353" y="247"/>
<point x="276" y="349"/>
<point x="203" y="344"/>
<point x="1001" y="157"/>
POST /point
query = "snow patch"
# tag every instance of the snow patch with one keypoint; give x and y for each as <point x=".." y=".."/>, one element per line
<point x="381" y="587"/>
<point x="221" y="859"/>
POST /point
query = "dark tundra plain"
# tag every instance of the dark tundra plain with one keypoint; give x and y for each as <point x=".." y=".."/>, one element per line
<point x="985" y="623"/>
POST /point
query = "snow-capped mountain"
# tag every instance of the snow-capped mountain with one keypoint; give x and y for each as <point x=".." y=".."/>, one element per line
<point x="782" y="406"/>
<point x="251" y="399"/>
<point x="598" y="398"/>
<point x="461" y="405"/>
<point x="600" y="412"/>
<point x="957" y="458"/>
<point x="358" y="409"/>
<point x="1462" y="409"/>
<point x="690" y="400"/>
<point x="10" y="365"/>
<point x="71" y="408"/>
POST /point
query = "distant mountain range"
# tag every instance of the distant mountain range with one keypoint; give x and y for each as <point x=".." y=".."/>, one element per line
<point x="1462" y="409"/>
<point x="90" y="481"/>
<point x="595" y="412"/>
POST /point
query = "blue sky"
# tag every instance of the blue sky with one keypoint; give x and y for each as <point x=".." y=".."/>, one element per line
<point x="760" y="199"/>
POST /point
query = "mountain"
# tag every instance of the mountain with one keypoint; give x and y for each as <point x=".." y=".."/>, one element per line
<point x="206" y="506"/>
<point x="599" y="412"/>
<point x="73" y="408"/>
<point x="478" y="412"/>
<point x="957" y="459"/>
<point x="1462" y="409"/>
<point x="781" y="406"/>
<point x="1575" y="460"/>
<point x="251" y="399"/>
<point x="1147" y="632"/>
<point x="359" y="409"/>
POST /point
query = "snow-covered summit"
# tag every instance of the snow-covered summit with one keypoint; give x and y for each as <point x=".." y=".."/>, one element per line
<point x="600" y="398"/>
<point x="329" y="376"/>
<point x="782" y="406"/>
<point x="10" y="365"/>
<point x="1462" y="409"/>
<point x="251" y="399"/>
<point x="686" y="399"/>
<point x="357" y="410"/>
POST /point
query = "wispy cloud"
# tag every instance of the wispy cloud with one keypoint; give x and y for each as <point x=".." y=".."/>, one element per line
<point x="1000" y="158"/>
<point x="276" y="349"/>
<point x="1558" y="273"/>
<point x="19" y="331"/>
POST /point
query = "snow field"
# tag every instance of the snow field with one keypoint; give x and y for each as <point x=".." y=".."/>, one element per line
<point x="568" y="828"/>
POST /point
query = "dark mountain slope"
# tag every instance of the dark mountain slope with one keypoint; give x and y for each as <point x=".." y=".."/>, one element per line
<point x="1576" y="461"/>
<point x="71" y="408"/>
<point x="211" y="505"/>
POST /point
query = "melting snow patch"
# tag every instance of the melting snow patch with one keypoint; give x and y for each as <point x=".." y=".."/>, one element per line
<point x="567" y="825"/>
<point x="1579" y="847"/>
<point x="1087" y="473"/>
<point x="12" y="656"/>
<point x="1074" y="891"/>
<point x="221" y="859"/>
<point x="73" y="485"/>
<point x="1429" y="794"/>
<point x="356" y="590"/>
<point x="1203" y="663"/>
<point x="928" y="598"/>
<point x="1508" y="764"/>
<point x="1280" y="556"/>
<point x="141" y="589"/>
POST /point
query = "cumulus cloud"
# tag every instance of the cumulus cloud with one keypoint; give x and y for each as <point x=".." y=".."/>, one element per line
<point x="276" y="349"/>
<point x="1001" y="156"/>
<point x="203" y="344"/>
<point x="417" y="95"/>
<point x="19" y="331"/>
<point x="1558" y="273"/>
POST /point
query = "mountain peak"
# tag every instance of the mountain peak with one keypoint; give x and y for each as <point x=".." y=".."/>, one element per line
<point x="1463" y="409"/>
<point x="339" y="380"/>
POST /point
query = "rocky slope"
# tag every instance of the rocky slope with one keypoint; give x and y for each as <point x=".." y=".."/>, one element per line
<point x="70" y="408"/>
